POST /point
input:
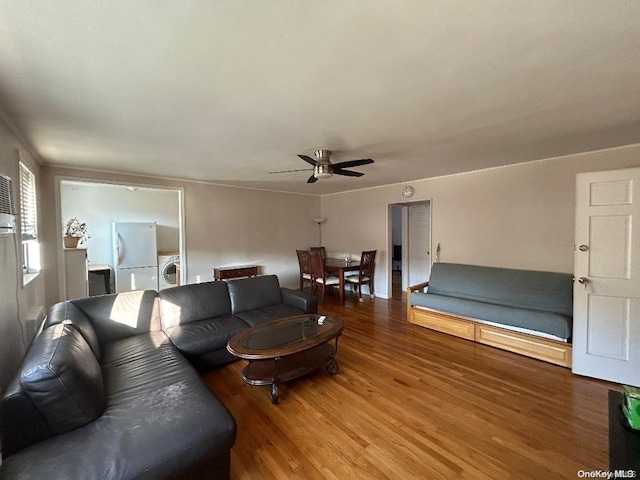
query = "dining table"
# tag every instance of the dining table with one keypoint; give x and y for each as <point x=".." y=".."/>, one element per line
<point x="338" y="267"/>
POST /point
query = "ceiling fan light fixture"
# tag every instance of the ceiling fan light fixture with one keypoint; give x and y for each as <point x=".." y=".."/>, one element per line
<point x="323" y="170"/>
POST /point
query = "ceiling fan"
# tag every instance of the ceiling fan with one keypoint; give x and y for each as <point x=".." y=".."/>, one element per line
<point x="323" y="168"/>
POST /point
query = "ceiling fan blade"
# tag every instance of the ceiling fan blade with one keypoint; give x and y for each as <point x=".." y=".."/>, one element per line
<point x="353" y="163"/>
<point x="298" y="170"/>
<point x="308" y="159"/>
<point x="347" y="173"/>
<point x="312" y="179"/>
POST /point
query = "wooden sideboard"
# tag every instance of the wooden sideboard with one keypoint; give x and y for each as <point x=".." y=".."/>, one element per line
<point x="224" y="273"/>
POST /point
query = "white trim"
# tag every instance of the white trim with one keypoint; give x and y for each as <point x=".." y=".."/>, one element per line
<point x="172" y="179"/>
<point x="27" y="278"/>
<point x="58" y="179"/>
<point x="497" y="167"/>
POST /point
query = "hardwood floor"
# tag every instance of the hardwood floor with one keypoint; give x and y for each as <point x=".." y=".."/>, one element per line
<point x="396" y="285"/>
<point x="412" y="403"/>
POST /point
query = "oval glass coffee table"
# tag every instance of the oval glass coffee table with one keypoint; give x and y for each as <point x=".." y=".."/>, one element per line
<point x="287" y="348"/>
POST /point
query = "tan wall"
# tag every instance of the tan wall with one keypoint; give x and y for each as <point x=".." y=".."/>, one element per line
<point x="520" y="216"/>
<point x="17" y="303"/>
<point x="223" y="226"/>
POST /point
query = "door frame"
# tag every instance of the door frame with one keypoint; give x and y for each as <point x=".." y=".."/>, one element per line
<point x="58" y="179"/>
<point x="405" y="240"/>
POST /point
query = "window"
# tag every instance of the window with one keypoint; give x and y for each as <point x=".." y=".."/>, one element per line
<point x="29" y="224"/>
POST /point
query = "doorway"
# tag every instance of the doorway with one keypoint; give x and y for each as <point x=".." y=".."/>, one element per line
<point x="409" y="244"/>
<point x="99" y="204"/>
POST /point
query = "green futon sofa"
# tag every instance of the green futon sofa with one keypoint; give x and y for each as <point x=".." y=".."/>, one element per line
<point x="524" y="311"/>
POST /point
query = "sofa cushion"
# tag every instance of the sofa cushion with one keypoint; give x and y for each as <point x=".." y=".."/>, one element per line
<point x="196" y="338"/>
<point x="547" y="322"/>
<point x="121" y="315"/>
<point x="546" y="291"/>
<point x="254" y="293"/>
<point x="60" y="382"/>
<point x="134" y="363"/>
<point x="190" y="303"/>
<point x="271" y="312"/>
<point x="67" y="312"/>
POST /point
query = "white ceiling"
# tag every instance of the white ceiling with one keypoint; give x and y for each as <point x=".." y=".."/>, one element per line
<point x="228" y="91"/>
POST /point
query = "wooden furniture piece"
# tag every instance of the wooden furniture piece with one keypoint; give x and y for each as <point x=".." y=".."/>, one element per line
<point x="365" y="273"/>
<point x="287" y="348"/>
<point x="223" y="273"/>
<point x="552" y="351"/>
<point x="319" y="273"/>
<point x="322" y="250"/>
<point x="624" y="443"/>
<point x="305" y="268"/>
<point x="76" y="273"/>
<point x="338" y="267"/>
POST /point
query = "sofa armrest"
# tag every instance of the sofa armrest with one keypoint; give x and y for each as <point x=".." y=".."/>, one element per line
<point x="419" y="286"/>
<point x="414" y="288"/>
<point x="302" y="300"/>
<point x="67" y="312"/>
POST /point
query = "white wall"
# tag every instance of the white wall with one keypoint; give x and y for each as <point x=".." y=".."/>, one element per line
<point x="520" y="216"/>
<point x="17" y="303"/>
<point x="223" y="226"/>
<point x="99" y="205"/>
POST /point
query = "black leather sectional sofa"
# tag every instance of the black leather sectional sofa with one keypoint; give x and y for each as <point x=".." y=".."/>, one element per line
<point x="108" y="388"/>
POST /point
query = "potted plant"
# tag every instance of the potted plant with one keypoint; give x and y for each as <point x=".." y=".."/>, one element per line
<point x="74" y="233"/>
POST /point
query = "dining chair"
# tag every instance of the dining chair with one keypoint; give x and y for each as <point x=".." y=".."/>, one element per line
<point x="305" y="268"/>
<point x="319" y="273"/>
<point x="323" y="253"/>
<point x="365" y="274"/>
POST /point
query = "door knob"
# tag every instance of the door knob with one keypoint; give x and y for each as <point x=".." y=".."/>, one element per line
<point x="583" y="248"/>
<point x="584" y="281"/>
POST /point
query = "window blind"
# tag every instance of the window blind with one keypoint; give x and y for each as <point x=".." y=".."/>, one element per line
<point x="6" y="196"/>
<point x="28" y="204"/>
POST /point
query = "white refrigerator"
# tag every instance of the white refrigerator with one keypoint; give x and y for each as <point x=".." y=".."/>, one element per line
<point x="135" y="256"/>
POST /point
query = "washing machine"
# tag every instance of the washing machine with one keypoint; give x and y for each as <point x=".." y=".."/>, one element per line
<point x="168" y="271"/>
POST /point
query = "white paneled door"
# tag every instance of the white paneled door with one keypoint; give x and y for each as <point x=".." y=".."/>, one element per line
<point x="419" y="241"/>
<point x="606" y="330"/>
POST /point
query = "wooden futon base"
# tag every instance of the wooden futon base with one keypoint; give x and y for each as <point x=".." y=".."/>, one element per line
<point x="551" y="351"/>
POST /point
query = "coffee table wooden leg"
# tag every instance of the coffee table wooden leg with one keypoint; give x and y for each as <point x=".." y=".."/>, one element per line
<point x="274" y="385"/>
<point x="332" y="365"/>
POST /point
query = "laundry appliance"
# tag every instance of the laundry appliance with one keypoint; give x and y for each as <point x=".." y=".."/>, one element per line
<point x="168" y="270"/>
<point x="135" y="256"/>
